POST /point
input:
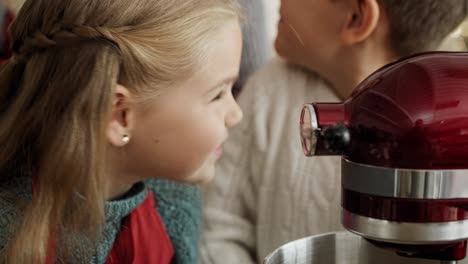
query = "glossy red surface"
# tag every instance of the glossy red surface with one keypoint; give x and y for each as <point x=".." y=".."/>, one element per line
<point x="410" y="114"/>
<point x="404" y="210"/>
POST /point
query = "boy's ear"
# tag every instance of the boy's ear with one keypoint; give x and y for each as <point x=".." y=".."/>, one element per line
<point x="123" y="117"/>
<point x="361" y="21"/>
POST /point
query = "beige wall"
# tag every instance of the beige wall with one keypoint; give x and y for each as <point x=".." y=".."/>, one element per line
<point x="272" y="16"/>
<point x="458" y="39"/>
<point x="15" y="4"/>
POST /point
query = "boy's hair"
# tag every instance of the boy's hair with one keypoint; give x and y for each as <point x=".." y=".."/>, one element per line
<point x="56" y="99"/>
<point x="421" y="25"/>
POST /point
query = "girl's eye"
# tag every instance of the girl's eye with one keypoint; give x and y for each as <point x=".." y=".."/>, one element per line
<point x="218" y="97"/>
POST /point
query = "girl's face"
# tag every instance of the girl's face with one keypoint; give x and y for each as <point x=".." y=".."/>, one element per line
<point x="179" y="135"/>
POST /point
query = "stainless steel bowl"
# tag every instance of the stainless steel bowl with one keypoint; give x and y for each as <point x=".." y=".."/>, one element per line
<point x="338" y="248"/>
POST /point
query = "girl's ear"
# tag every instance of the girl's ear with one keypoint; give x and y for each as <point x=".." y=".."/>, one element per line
<point x="121" y="124"/>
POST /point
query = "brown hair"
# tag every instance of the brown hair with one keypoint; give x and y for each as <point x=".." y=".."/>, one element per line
<point x="421" y="25"/>
<point x="55" y="101"/>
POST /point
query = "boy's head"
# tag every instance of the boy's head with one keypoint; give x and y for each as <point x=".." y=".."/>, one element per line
<point x="324" y="35"/>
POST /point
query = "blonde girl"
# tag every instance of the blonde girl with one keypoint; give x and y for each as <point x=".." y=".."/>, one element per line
<point x="101" y="97"/>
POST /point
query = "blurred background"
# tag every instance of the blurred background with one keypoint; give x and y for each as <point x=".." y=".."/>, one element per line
<point x="457" y="41"/>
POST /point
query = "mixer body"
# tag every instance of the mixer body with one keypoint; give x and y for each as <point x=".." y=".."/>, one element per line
<point x="403" y="136"/>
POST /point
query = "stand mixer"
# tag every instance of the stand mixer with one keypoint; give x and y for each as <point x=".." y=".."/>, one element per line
<point x="403" y="138"/>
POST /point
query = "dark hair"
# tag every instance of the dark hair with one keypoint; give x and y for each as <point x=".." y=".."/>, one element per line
<point x="421" y="25"/>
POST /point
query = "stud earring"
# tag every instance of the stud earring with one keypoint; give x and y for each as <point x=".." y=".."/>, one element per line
<point x="125" y="138"/>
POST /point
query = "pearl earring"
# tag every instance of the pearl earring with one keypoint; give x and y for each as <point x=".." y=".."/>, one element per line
<point x="125" y="138"/>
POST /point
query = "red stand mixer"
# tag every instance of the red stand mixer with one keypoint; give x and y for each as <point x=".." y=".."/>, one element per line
<point x="403" y="136"/>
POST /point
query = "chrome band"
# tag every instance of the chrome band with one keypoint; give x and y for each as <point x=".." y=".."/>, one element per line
<point x="405" y="233"/>
<point x="308" y="128"/>
<point x="404" y="183"/>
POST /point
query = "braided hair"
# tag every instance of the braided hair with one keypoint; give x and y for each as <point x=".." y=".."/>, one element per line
<point x="56" y="99"/>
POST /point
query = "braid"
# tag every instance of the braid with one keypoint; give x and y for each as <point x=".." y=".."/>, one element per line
<point x="64" y="37"/>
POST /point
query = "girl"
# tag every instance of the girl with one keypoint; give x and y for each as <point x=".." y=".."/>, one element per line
<point x="101" y="96"/>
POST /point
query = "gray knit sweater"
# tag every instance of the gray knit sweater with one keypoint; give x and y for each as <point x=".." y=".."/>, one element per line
<point x="178" y="205"/>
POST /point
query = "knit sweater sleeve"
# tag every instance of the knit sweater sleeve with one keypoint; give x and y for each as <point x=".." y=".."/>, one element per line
<point x="12" y="194"/>
<point x="179" y="207"/>
<point x="231" y="201"/>
<point x="9" y="216"/>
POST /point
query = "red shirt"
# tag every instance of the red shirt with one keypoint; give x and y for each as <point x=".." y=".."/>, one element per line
<point x="142" y="237"/>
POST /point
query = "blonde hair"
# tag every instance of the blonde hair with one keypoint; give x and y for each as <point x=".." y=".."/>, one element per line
<point x="55" y="101"/>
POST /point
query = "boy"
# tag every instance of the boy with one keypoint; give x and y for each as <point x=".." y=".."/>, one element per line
<point x="266" y="192"/>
